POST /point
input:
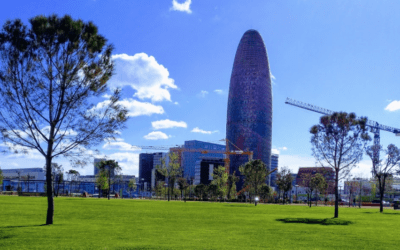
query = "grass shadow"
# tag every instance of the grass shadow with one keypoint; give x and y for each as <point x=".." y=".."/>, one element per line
<point x="238" y="205"/>
<point x="325" y="222"/>
<point x="391" y="213"/>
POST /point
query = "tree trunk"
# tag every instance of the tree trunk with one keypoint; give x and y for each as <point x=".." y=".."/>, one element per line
<point x="381" y="192"/>
<point x="109" y="182"/>
<point x="50" y="198"/>
<point x="336" y="194"/>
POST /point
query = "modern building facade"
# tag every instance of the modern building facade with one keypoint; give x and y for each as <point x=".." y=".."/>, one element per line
<point x="274" y="165"/>
<point x="190" y="158"/>
<point x="327" y="172"/>
<point x="145" y="166"/>
<point x="205" y="169"/>
<point x="25" y="173"/>
<point x="249" y="115"/>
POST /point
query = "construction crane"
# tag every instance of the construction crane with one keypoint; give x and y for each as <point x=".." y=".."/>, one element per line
<point x="375" y="126"/>
<point x="180" y="149"/>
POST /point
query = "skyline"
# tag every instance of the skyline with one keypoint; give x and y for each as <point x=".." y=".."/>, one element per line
<point x="174" y="62"/>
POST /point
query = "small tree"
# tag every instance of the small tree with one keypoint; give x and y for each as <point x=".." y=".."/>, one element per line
<point x="110" y="168"/>
<point x="255" y="174"/>
<point x="200" y="190"/>
<point x="49" y="76"/>
<point x="73" y="177"/>
<point x="1" y="177"/>
<point x="220" y="177"/>
<point x="338" y="141"/>
<point x="353" y="187"/>
<point x="265" y="192"/>
<point x="102" y="181"/>
<point x="231" y="184"/>
<point x="284" y="182"/>
<point x="171" y="171"/>
<point x="132" y="185"/>
<point x="382" y="171"/>
<point x="319" y="184"/>
<point x="182" y="185"/>
<point x="308" y="185"/>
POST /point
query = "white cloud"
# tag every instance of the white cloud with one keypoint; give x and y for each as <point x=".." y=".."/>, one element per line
<point x="120" y="145"/>
<point x="162" y="124"/>
<point x="198" y="130"/>
<point x="129" y="162"/>
<point x="107" y="96"/>
<point x="393" y="106"/>
<point x="184" y="7"/>
<point x="156" y="135"/>
<point x="135" y="108"/>
<point x="272" y="78"/>
<point x="176" y="103"/>
<point x="219" y="91"/>
<point x="275" y="151"/>
<point x="203" y="93"/>
<point x="143" y="73"/>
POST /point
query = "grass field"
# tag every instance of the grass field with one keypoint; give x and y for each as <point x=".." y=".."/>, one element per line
<point x="81" y="223"/>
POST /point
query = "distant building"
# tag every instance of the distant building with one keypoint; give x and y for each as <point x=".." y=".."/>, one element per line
<point x="25" y="173"/>
<point x="190" y="158"/>
<point x="205" y="168"/>
<point x="274" y="164"/>
<point x="327" y="172"/>
<point x="96" y="161"/>
<point x="145" y="166"/>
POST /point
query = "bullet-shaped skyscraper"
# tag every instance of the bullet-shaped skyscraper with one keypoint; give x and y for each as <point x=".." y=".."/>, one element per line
<point x="249" y="118"/>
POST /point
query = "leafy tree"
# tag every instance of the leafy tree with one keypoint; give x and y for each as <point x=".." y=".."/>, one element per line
<point x="383" y="171"/>
<point x="220" y="177"/>
<point x="182" y="185"/>
<point x="232" y="180"/>
<point x="49" y="74"/>
<point x="102" y="181"/>
<point x="284" y="182"/>
<point x="255" y="174"/>
<point x="265" y="192"/>
<point x="73" y="177"/>
<point x="171" y="171"/>
<point x="1" y="177"/>
<point x="200" y="190"/>
<point x="338" y="141"/>
<point x="308" y="185"/>
<point x="212" y="191"/>
<point x="319" y="184"/>
<point x="109" y="168"/>
<point x="132" y="185"/>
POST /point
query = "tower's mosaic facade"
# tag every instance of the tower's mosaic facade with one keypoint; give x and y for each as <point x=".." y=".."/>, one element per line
<point x="249" y="118"/>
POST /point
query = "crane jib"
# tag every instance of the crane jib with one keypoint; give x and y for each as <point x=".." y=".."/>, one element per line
<point x="373" y="124"/>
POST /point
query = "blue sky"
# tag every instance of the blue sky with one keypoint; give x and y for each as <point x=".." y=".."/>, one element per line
<point x="174" y="61"/>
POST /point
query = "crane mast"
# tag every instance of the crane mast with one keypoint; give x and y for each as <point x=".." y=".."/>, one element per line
<point x="375" y="126"/>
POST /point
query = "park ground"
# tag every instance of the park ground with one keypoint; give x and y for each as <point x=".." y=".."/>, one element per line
<point x="88" y="223"/>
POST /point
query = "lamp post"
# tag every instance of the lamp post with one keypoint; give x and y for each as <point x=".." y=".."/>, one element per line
<point x="256" y="200"/>
<point x="165" y="195"/>
<point x="142" y="185"/>
<point x="296" y="192"/>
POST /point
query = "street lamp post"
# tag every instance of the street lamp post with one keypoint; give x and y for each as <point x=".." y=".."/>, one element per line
<point x="142" y="185"/>
<point x="256" y="200"/>
<point x="296" y="192"/>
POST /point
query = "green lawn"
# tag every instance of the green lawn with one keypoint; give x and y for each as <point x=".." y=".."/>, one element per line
<point x="86" y="223"/>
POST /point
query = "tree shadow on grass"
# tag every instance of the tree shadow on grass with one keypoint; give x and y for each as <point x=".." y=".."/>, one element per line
<point x="238" y="205"/>
<point x="391" y="213"/>
<point x="326" y="222"/>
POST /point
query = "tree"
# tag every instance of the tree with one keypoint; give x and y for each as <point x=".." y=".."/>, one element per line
<point x="284" y="181"/>
<point x="255" y="174"/>
<point x="102" y="181"/>
<point x="182" y="185"/>
<point x="338" y="141"/>
<point x="170" y="171"/>
<point x="383" y="171"/>
<point x="73" y="176"/>
<point x="232" y="180"/>
<point x="265" y="192"/>
<point x="49" y="76"/>
<point x="109" y="169"/>
<point x="306" y="182"/>
<point x="319" y="184"/>
<point x="220" y="178"/>
<point x="1" y="177"/>
<point x="132" y="185"/>
<point x="200" y="190"/>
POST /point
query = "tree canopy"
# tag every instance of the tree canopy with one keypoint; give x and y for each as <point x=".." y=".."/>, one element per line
<point x="338" y="141"/>
<point x="50" y="76"/>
